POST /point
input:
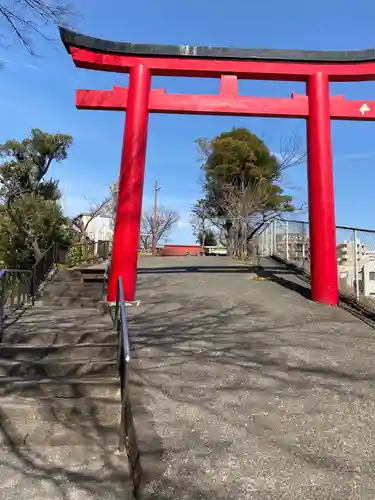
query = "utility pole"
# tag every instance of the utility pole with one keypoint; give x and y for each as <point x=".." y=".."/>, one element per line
<point x="155" y="228"/>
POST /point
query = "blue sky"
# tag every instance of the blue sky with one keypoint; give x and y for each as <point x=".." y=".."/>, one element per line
<point x="40" y="92"/>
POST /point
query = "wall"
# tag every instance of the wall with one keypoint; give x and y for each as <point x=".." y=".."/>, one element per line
<point x="368" y="274"/>
<point x="99" y="228"/>
<point x="179" y="250"/>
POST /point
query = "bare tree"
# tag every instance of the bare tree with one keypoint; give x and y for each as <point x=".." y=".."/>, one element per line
<point x="200" y="221"/>
<point x="166" y="220"/>
<point x="247" y="207"/>
<point x="81" y="227"/>
<point x="240" y="201"/>
<point x="292" y="152"/>
<point x="113" y="205"/>
<point x="26" y="18"/>
<point x="247" y="203"/>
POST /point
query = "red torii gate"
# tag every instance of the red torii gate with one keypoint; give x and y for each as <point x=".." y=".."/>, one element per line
<point x="316" y="68"/>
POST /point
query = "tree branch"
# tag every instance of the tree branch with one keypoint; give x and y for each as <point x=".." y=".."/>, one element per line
<point x="25" y="17"/>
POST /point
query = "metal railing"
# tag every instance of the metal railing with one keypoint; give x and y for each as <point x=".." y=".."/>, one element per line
<point x="42" y="267"/>
<point x="123" y="360"/>
<point x="20" y="287"/>
<point x="355" y="250"/>
<point x="15" y="292"/>
<point x="88" y="252"/>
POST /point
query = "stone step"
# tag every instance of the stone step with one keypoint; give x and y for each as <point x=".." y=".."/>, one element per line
<point x="75" y="275"/>
<point x="58" y="336"/>
<point x="76" y="285"/>
<point x="93" y="277"/>
<point x="56" y="421"/>
<point x="66" y="472"/>
<point x="61" y="387"/>
<point x="74" y="291"/>
<point x="80" y="302"/>
<point x="96" y="269"/>
<point x="59" y="352"/>
<point x="63" y="274"/>
<point x="45" y="317"/>
<point x="41" y="312"/>
<point x="86" y="324"/>
<point x="47" y="369"/>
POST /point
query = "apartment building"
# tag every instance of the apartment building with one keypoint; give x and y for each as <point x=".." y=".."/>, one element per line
<point x="297" y="244"/>
<point x="360" y="258"/>
<point x="347" y="253"/>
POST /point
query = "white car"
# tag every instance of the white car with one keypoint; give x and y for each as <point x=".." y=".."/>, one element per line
<point x="215" y="250"/>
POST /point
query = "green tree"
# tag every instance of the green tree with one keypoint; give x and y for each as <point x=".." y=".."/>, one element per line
<point x="199" y="219"/>
<point x="30" y="216"/>
<point x="242" y="184"/>
<point x="207" y="238"/>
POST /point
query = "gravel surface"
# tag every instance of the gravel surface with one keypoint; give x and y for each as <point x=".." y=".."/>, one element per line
<point x="245" y="389"/>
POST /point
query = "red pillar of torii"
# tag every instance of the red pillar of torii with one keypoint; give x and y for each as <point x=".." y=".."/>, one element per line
<point x="316" y="68"/>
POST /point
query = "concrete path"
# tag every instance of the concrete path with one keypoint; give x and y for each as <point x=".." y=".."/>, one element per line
<point x="245" y="389"/>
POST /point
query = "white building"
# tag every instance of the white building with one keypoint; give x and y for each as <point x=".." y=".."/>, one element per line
<point x="97" y="228"/>
<point x="368" y="271"/>
<point x="364" y="258"/>
<point x="346" y="253"/>
<point x="297" y="243"/>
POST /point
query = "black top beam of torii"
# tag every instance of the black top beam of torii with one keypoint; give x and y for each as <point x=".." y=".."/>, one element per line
<point x="73" y="39"/>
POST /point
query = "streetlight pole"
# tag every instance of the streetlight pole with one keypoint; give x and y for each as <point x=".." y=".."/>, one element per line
<point x="155" y="228"/>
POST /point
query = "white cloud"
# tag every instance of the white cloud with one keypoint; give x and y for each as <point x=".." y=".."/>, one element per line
<point x="355" y="156"/>
<point x="183" y="223"/>
<point x="32" y="66"/>
<point x="278" y="155"/>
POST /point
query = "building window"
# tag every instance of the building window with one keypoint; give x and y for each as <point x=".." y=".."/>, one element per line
<point x="371" y="275"/>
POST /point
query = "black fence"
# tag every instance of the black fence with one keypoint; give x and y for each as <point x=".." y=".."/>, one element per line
<point x="16" y="288"/>
<point x="19" y="288"/>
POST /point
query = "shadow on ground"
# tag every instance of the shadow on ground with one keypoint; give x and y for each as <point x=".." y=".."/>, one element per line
<point x="261" y="374"/>
<point x="240" y="389"/>
<point x="73" y="432"/>
<point x="275" y="273"/>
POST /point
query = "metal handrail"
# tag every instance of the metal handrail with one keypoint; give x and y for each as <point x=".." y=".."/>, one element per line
<point x="44" y="254"/>
<point x="15" y="291"/>
<point x="123" y="359"/>
<point x="19" y="287"/>
<point x="123" y="319"/>
<point x="347" y="228"/>
<point x="42" y="267"/>
<point x="3" y="276"/>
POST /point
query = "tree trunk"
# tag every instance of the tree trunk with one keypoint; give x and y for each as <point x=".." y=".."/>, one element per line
<point x="244" y="238"/>
<point x="36" y="250"/>
<point x="230" y="242"/>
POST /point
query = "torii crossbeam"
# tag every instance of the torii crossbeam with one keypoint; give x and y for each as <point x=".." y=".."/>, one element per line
<point x="226" y="103"/>
<point x="316" y="68"/>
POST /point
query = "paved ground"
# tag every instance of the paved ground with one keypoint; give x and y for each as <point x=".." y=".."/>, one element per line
<point x="245" y="389"/>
